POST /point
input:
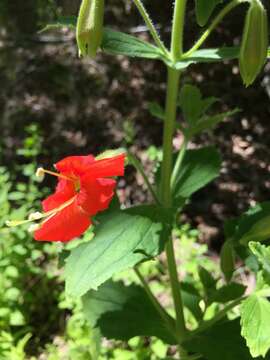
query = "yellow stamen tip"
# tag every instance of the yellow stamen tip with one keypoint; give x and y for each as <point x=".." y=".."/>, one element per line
<point x="35" y="216"/>
<point x="40" y="172"/>
<point x="8" y="223"/>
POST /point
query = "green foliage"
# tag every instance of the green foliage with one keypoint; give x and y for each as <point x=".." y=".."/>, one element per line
<point x="227" y="259"/>
<point x="122" y="239"/>
<point x="199" y="167"/>
<point x="222" y="341"/>
<point x="255" y="318"/>
<point x="119" y="312"/>
<point x="204" y="9"/>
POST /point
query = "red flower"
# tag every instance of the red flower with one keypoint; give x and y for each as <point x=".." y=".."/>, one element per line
<point x="84" y="188"/>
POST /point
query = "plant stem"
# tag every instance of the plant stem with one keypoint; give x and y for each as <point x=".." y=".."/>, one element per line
<point x="178" y="29"/>
<point x="139" y="167"/>
<point x="169" y="322"/>
<point x="178" y="162"/>
<point x="213" y="25"/>
<point x="207" y="324"/>
<point x="170" y="115"/>
<point x="142" y="10"/>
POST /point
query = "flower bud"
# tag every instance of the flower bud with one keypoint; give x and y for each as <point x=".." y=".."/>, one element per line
<point x="253" y="51"/>
<point x="90" y="27"/>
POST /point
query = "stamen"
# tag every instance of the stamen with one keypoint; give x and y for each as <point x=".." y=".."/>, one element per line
<point x="41" y="172"/>
<point x="33" y="227"/>
<point x="35" y="216"/>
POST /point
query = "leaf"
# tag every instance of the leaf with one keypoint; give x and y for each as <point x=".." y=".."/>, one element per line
<point x="62" y="21"/>
<point x="221" y="342"/>
<point x="118" y="43"/>
<point x="255" y="320"/>
<point x="240" y="229"/>
<point x="227" y="258"/>
<point x="259" y="231"/>
<point x="199" y="167"/>
<point x="191" y="299"/>
<point x="262" y="253"/>
<point x="227" y="293"/>
<point x="156" y="110"/>
<point x="122" y="239"/>
<point x="190" y="101"/>
<point x="209" y="122"/>
<point x="204" y="9"/>
<point x="122" y="312"/>
<point x="207" y="279"/>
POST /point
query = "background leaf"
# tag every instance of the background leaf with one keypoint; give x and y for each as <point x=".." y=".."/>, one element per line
<point x="122" y="312"/>
<point x="199" y="167"/>
<point x="122" y="239"/>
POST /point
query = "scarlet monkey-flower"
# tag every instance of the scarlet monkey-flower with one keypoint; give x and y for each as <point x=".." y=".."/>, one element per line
<point x="85" y="187"/>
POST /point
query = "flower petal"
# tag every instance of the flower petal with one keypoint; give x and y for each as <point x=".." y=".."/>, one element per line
<point x="114" y="166"/>
<point x="65" y="190"/>
<point x="67" y="224"/>
<point x="95" y="195"/>
<point x="76" y="165"/>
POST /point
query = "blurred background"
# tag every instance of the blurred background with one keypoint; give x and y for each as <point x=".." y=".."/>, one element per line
<point x="53" y="104"/>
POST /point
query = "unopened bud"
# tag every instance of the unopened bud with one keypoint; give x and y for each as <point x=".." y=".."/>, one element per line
<point x="253" y="51"/>
<point x="89" y="29"/>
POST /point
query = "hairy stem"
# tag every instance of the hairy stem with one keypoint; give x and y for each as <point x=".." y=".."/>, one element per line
<point x="178" y="29"/>
<point x="150" y="25"/>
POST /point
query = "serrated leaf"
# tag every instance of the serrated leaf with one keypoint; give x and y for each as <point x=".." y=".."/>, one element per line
<point x="204" y="9"/>
<point x="221" y="342"/>
<point x="121" y="312"/>
<point x="255" y="320"/>
<point x="122" y="239"/>
<point x="118" y="43"/>
<point x="199" y="167"/>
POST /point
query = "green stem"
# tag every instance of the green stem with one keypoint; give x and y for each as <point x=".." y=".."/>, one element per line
<point x="150" y="25"/>
<point x="213" y="25"/>
<point x="178" y="162"/>
<point x="170" y="116"/>
<point x="139" y="167"/>
<point x="178" y="29"/>
<point x="169" y="322"/>
<point x="207" y="324"/>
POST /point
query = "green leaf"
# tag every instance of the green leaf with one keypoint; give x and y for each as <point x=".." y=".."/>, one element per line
<point x="209" y="122"/>
<point x="221" y="342"/>
<point x="156" y="110"/>
<point x="204" y="9"/>
<point x="199" y="167"/>
<point x="262" y="253"/>
<point x="118" y="43"/>
<point x="255" y="320"/>
<point x="207" y="279"/>
<point x="122" y="312"/>
<point x="241" y="229"/>
<point x="191" y="299"/>
<point x="62" y="21"/>
<point x="190" y="101"/>
<point x="259" y="231"/>
<point x="122" y="239"/>
<point x="227" y="293"/>
<point x="227" y="258"/>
